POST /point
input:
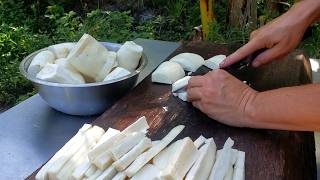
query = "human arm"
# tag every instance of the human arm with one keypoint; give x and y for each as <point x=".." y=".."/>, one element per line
<point x="228" y="100"/>
<point x="280" y="36"/>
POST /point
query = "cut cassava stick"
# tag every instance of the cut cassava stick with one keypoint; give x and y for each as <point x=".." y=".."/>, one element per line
<point x="145" y="157"/>
<point x="239" y="168"/>
<point x="126" y="145"/>
<point x="223" y="161"/>
<point x="104" y="160"/>
<point x="42" y="174"/>
<point x="89" y="138"/>
<point x="162" y="159"/>
<point x="182" y="160"/>
<point x="147" y="172"/>
<point x="78" y="173"/>
<point x="120" y="176"/>
<point x="108" y="174"/>
<point x="128" y="158"/>
<point x="92" y="169"/>
<point x="95" y="175"/>
<point x="199" y="141"/>
<point x="203" y="165"/>
<point x="107" y="135"/>
<point x="141" y="125"/>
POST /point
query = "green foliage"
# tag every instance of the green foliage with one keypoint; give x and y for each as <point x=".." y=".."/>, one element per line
<point x="15" y="44"/>
<point x="312" y="44"/>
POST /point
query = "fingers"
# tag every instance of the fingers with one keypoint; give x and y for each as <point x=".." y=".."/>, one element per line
<point x="195" y="81"/>
<point x="269" y="55"/>
<point x="194" y="94"/>
<point x="242" y="52"/>
<point x="196" y="104"/>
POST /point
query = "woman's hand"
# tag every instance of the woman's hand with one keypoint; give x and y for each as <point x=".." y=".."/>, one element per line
<point x="280" y="36"/>
<point x="222" y="97"/>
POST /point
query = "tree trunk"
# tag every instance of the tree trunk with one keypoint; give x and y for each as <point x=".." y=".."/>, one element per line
<point x="243" y="13"/>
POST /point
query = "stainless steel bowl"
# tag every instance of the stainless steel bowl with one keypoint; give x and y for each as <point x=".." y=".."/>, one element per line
<point x="83" y="99"/>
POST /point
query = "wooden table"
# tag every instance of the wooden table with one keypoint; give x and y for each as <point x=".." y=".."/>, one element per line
<point x="270" y="154"/>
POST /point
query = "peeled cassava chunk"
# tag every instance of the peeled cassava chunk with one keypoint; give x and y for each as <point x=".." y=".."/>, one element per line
<point x="168" y="73"/>
<point x="108" y="66"/>
<point x="61" y="50"/>
<point x="39" y="61"/>
<point x="189" y="61"/>
<point x="90" y="57"/>
<point x="213" y="62"/>
<point x="65" y="63"/>
<point x="117" y="73"/>
<point x="59" y="74"/>
<point x="129" y="54"/>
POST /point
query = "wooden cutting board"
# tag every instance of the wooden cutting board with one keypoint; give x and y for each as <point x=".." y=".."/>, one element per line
<point x="270" y="154"/>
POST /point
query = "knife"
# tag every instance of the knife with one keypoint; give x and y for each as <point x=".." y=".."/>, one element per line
<point x="245" y="62"/>
<point x="232" y="69"/>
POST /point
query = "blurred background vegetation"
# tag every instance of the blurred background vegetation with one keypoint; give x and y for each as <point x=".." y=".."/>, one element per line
<point x="26" y="26"/>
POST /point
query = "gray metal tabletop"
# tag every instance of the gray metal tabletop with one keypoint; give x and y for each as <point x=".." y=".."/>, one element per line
<point x="31" y="132"/>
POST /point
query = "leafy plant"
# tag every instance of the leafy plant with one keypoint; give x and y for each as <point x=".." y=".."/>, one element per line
<point x="15" y="44"/>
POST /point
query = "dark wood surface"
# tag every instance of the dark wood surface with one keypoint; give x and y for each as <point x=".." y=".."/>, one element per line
<point x="270" y="154"/>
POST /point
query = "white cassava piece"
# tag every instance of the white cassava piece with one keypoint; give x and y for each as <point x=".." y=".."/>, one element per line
<point x="108" y="174"/>
<point x="126" y="145"/>
<point x="223" y="161"/>
<point x="213" y="62"/>
<point x="117" y="73"/>
<point x="129" y="54"/>
<point x="199" y="141"/>
<point x="88" y="138"/>
<point x="239" y="168"/>
<point x="203" y="165"/>
<point x="39" y="61"/>
<point x="181" y="84"/>
<point x="108" y="66"/>
<point x="61" y="50"/>
<point x="168" y="73"/>
<point x="59" y="74"/>
<point x="148" y="172"/>
<point x="145" y="157"/>
<point x="189" y="61"/>
<point x="162" y="159"/>
<point x="182" y="160"/>
<point x="43" y="173"/>
<point x="65" y="63"/>
<point x="128" y="158"/>
<point x="90" y="57"/>
<point x="141" y="125"/>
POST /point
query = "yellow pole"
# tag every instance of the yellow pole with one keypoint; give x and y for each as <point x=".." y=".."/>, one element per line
<point x="207" y="16"/>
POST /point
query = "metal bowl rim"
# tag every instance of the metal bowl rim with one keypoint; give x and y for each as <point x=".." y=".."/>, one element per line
<point x="42" y="82"/>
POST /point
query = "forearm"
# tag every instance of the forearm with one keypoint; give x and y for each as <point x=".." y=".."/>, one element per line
<point x="307" y="12"/>
<point x="292" y="108"/>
